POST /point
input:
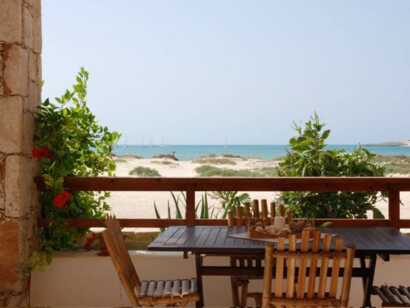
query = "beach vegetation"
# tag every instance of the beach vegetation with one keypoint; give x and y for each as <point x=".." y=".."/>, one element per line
<point x="308" y="156"/>
<point x="144" y="171"/>
<point x="171" y="156"/>
<point x="395" y="164"/>
<point x="215" y="161"/>
<point x="164" y="162"/>
<point x="69" y="141"/>
<point x="231" y="199"/>
<point x="202" y="207"/>
<point x="120" y="160"/>
<point x="208" y="170"/>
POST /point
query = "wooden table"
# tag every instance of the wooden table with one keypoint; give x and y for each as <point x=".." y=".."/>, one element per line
<point x="215" y="241"/>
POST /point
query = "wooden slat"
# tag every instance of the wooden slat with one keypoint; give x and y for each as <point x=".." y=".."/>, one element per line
<point x="291" y="267"/>
<point x="313" y="264"/>
<point x="239" y="216"/>
<point x="264" y="208"/>
<point x="323" y="266"/>
<point x="151" y="288"/>
<point x="272" y="211"/>
<point x="404" y="291"/>
<point x="176" y="288"/>
<point x="159" y="290"/>
<point x="300" y="292"/>
<point x="163" y="223"/>
<point x="190" y="207"/>
<point x="185" y="287"/>
<point x="144" y="288"/>
<point x="247" y="213"/>
<point x="347" y="276"/>
<point x="279" y="269"/>
<point x="394" y="208"/>
<point x="335" y="267"/>
<point x="168" y="288"/>
<point x="316" y="184"/>
<point x="255" y="209"/>
<point x="267" y="280"/>
<point x="193" y="286"/>
<point x="231" y="218"/>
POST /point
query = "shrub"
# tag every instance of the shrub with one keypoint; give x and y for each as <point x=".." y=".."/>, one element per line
<point x="167" y="156"/>
<point x="164" y="162"/>
<point x="144" y="171"/>
<point x="215" y="160"/>
<point x="207" y="170"/>
<point x="308" y="156"/>
<point x="70" y="142"/>
<point x="395" y="164"/>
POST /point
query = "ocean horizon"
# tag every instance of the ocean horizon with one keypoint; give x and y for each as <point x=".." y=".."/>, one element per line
<point x="190" y="152"/>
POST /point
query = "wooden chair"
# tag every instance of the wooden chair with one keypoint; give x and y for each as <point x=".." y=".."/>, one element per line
<point x="243" y="216"/>
<point x="147" y="292"/>
<point x="303" y="288"/>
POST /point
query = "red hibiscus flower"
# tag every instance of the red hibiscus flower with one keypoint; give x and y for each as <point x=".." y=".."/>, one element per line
<point x="60" y="200"/>
<point x="40" y="153"/>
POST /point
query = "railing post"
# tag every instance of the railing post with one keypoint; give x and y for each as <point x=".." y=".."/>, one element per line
<point x="394" y="208"/>
<point x="190" y="208"/>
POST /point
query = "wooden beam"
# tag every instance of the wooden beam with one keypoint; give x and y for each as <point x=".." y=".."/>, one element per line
<point x="394" y="208"/>
<point x="315" y="184"/>
<point x="163" y="223"/>
<point x="404" y="223"/>
<point x="190" y="208"/>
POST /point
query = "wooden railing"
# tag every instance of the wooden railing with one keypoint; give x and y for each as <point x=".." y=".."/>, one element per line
<point x="392" y="185"/>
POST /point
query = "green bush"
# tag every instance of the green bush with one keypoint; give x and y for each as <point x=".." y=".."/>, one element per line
<point x="395" y="164"/>
<point x="144" y="171"/>
<point x="215" y="160"/>
<point x="207" y="170"/>
<point x="70" y="142"/>
<point x="308" y="156"/>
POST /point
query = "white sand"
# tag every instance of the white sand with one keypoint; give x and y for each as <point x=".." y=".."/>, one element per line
<point x="140" y="204"/>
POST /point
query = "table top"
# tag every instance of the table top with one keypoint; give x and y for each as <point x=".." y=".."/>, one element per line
<point x="217" y="240"/>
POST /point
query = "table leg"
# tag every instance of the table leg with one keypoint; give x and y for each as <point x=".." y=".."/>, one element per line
<point x="198" y="267"/>
<point x="363" y="266"/>
<point x="368" y="285"/>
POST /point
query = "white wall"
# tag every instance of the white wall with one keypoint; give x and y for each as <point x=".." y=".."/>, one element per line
<point x="87" y="280"/>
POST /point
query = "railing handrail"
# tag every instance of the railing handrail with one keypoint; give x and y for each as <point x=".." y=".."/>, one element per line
<point x="190" y="185"/>
<point x="314" y="184"/>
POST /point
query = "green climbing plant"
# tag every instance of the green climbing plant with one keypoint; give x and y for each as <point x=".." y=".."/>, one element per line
<point x="69" y="141"/>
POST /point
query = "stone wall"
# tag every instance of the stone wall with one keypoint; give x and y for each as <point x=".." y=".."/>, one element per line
<point x="20" y="93"/>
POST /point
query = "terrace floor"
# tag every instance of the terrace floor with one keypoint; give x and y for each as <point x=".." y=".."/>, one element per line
<point x="87" y="280"/>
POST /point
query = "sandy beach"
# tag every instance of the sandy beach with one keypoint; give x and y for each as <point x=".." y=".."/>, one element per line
<point x="141" y="204"/>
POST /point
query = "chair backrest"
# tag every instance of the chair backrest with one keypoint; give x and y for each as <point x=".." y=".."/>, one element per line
<point x="304" y="265"/>
<point x="114" y="241"/>
<point x="250" y="213"/>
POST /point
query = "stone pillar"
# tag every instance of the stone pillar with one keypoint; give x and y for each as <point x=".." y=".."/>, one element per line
<point x="20" y="93"/>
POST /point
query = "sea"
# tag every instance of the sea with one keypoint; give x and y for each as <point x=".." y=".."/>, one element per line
<point x="190" y="152"/>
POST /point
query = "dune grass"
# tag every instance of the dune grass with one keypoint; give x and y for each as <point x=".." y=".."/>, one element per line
<point x="164" y="162"/>
<point x="208" y="170"/>
<point x="215" y="161"/>
<point x="398" y="164"/>
<point x="144" y="171"/>
<point x="168" y="156"/>
<point x="120" y="160"/>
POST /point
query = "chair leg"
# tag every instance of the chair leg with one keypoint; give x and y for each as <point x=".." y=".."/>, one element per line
<point x="244" y="293"/>
<point x="235" y="291"/>
<point x="258" y="301"/>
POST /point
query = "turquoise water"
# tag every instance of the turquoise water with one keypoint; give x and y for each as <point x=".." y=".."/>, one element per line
<point x="189" y="152"/>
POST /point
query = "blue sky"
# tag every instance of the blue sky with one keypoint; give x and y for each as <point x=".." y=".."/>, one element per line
<point x="236" y="72"/>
